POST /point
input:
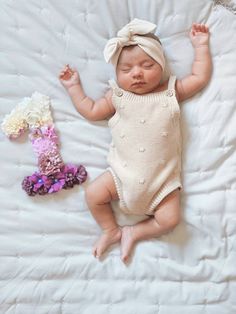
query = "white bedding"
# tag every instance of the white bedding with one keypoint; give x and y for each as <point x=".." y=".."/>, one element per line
<point x="46" y="265"/>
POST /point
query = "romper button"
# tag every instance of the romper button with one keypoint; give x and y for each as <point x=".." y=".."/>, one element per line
<point x="125" y="164"/>
<point x="141" y="181"/>
<point x="142" y="121"/>
<point x="118" y="92"/>
<point x="122" y="106"/>
<point x="169" y="93"/>
<point x="142" y="149"/>
<point x="165" y="134"/>
<point x="122" y="135"/>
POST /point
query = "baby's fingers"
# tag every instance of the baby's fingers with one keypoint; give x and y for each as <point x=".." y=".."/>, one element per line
<point x="66" y="68"/>
<point x="62" y="73"/>
<point x="205" y="29"/>
<point x="199" y="28"/>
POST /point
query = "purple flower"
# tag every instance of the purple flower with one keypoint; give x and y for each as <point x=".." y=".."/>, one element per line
<point x="81" y="174"/>
<point x="58" y="182"/>
<point x="70" y="168"/>
<point x="66" y="177"/>
<point x="41" y="180"/>
<point x="42" y="190"/>
<point x="36" y="184"/>
<point x="73" y="175"/>
<point x="28" y="186"/>
<point x="69" y="173"/>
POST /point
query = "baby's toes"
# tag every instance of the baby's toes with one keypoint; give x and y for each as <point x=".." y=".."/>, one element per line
<point x="124" y="257"/>
<point x="99" y="248"/>
<point x="94" y="252"/>
<point x="98" y="251"/>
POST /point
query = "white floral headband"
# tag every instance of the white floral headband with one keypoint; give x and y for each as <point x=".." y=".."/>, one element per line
<point x="135" y="33"/>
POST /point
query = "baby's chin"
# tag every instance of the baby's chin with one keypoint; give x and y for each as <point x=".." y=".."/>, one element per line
<point x="141" y="90"/>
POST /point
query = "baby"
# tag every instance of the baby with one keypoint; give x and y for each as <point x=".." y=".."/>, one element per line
<point x="144" y="117"/>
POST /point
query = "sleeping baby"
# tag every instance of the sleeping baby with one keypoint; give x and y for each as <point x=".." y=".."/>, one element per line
<point x="144" y="117"/>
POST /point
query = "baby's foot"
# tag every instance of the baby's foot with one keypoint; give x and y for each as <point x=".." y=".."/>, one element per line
<point x="127" y="242"/>
<point x="107" y="239"/>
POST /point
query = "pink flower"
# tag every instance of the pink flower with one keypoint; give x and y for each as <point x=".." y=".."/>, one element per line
<point x="50" y="133"/>
<point x="42" y="145"/>
<point x="50" y="162"/>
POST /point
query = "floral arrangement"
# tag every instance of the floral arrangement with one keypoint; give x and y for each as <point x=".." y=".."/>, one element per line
<point x="34" y="114"/>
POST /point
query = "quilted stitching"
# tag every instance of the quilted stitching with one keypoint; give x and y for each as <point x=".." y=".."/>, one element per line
<point x="46" y="262"/>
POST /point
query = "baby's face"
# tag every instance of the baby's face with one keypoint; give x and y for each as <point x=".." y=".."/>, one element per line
<point x="137" y="72"/>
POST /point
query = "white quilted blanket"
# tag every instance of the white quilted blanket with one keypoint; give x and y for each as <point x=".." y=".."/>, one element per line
<point x="46" y="265"/>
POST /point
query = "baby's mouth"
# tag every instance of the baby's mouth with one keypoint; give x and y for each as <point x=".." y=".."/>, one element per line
<point x="138" y="84"/>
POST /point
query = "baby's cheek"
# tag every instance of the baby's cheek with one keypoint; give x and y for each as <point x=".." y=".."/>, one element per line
<point x="155" y="75"/>
<point x="123" y="80"/>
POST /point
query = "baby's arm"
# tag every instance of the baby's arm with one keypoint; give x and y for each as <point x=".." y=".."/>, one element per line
<point x="202" y="65"/>
<point x="90" y="109"/>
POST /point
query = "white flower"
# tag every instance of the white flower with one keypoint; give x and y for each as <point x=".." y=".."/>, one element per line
<point x="31" y="112"/>
<point x="14" y="124"/>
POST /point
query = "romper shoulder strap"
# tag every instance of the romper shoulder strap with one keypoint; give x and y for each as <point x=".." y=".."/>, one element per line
<point x="117" y="93"/>
<point x="171" y="83"/>
<point x="113" y="83"/>
<point x="116" y="89"/>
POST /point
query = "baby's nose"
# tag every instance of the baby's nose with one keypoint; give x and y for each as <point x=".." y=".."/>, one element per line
<point x="137" y="71"/>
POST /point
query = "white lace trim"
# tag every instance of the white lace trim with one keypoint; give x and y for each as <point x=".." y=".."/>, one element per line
<point x="227" y="4"/>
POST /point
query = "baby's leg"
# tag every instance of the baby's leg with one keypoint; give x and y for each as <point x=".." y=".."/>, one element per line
<point x="99" y="194"/>
<point x="166" y="217"/>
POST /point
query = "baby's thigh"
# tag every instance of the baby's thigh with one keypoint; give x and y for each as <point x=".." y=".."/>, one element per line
<point x="103" y="188"/>
<point x="169" y="211"/>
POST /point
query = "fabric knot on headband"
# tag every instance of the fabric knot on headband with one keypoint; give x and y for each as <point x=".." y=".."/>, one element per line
<point x="135" y="33"/>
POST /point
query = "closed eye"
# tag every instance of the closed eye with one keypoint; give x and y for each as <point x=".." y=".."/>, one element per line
<point x="125" y="70"/>
<point x="148" y="65"/>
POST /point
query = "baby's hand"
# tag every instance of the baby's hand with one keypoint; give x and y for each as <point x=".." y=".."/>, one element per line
<point x="69" y="77"/>
<point x="199" y="35"/>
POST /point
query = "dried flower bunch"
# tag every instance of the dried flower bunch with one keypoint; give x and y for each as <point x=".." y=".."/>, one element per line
<point x="34" y="113"/>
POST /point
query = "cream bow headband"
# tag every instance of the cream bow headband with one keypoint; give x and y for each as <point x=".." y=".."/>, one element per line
<point x="134" y="34"/>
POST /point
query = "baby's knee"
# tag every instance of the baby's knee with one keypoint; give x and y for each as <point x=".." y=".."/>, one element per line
<point x="90" y="194"/>
<point x="97" y="194"/>
<point x="174" y="221"/>
<point x="168" y="220"/>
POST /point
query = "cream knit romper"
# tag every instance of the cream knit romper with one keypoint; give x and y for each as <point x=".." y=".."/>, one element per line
<point x="145" y="153"/>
